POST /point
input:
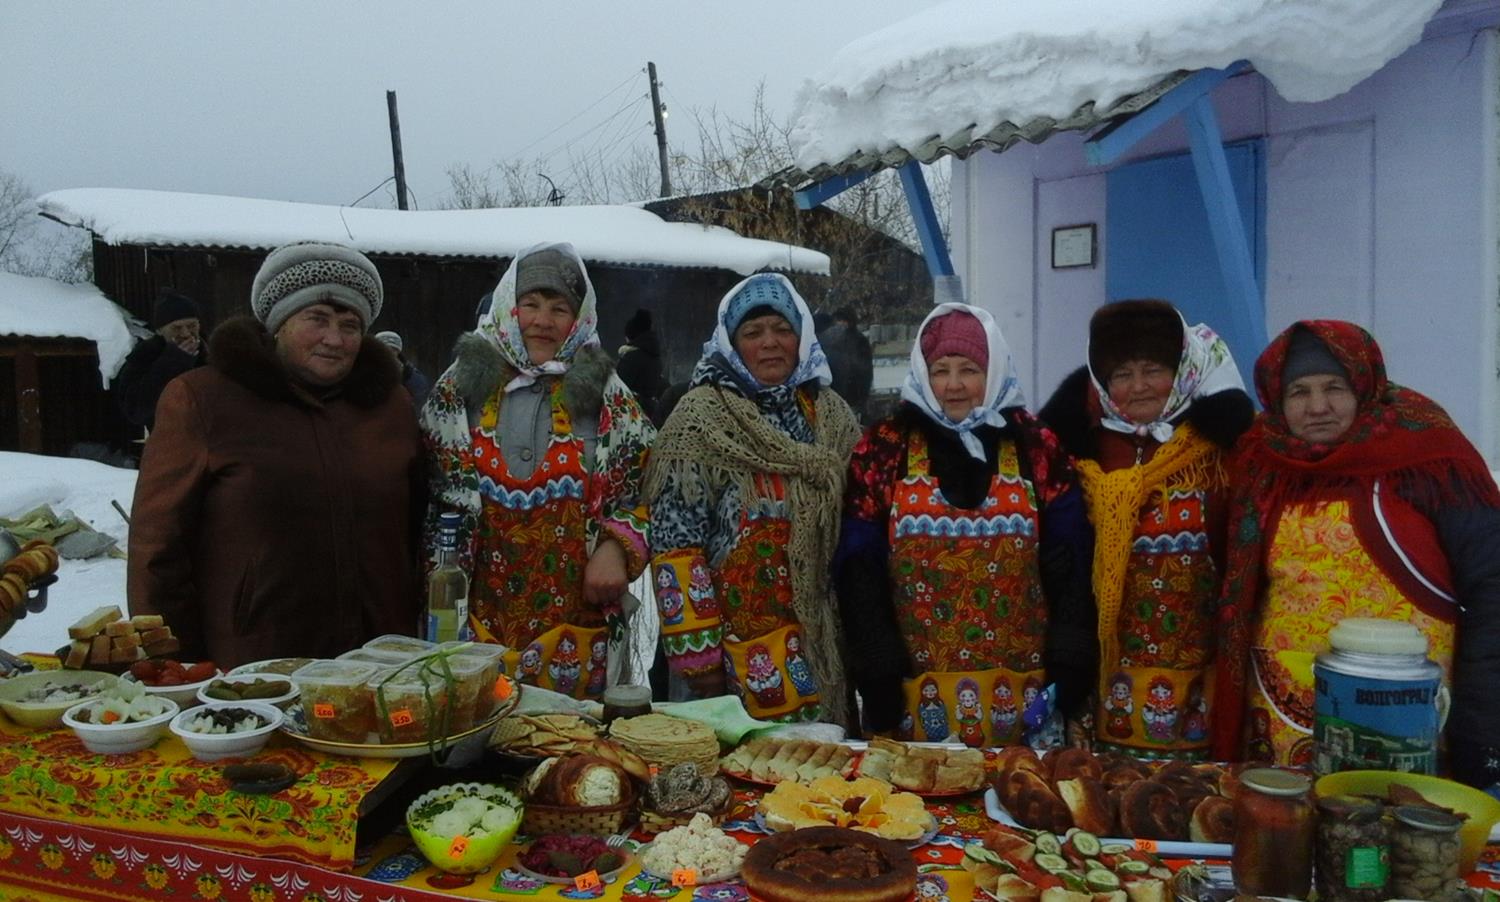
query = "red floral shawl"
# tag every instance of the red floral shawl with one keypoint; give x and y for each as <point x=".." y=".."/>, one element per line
<point x="1399" y="437"/>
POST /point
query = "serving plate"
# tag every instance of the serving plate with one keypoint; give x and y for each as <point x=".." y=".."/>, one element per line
<point x="295" y="726"/>
<point x="924" y="839"/>
<point x="1164" y="847"/>
<point x="606" y="877"/>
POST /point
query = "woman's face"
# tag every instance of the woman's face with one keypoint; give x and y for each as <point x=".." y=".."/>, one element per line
<point x="1139" y="389"/>
<point x="545" y="320"/>
<point x="1319" y="408"/>
<point x="768" y="346"/>
<point x="958" y="384"/>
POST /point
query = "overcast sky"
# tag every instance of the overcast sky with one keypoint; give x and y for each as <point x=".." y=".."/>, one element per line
<point x="287" y="100"/>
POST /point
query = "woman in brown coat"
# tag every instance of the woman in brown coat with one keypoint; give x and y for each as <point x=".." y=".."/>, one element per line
<point x="277" y="507"/>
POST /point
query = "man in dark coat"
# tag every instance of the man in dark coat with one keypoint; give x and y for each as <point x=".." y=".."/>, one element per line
<point x="850" y="358"/>
<point x="640" y="364"/>
<point x="280" y="495"/>
<point x="174" y="349"/>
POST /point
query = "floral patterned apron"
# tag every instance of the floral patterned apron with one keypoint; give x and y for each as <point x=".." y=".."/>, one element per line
<point x="969" y="603"/>
<point x="527" y="591"/>
<point x="1317" y="573"/>
<point x="1154" y="701"/>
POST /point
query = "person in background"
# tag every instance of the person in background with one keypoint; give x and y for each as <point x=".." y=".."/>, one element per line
<point x="538" y="445"/>
<point x="280" y="494"/>
<point x="640" y="364"/>
<point x="1149" y="421"/>
<point x="1354" y="497"/>
<point x="175" y="349"/>
<point x="413" y="380"/>
<point x="744" y="486"/>
<point x="849" y="358"/>
<point x="961" y="567"/>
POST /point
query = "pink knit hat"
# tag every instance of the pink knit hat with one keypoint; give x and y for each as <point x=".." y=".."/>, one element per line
<point x="956" y="333"/>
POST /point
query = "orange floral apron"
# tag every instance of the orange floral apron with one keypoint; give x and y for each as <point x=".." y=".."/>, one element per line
<point x="1317" y="573"/>
<point x="527" y="591"/>
<point x="969" y="603"/>
<point x="1154" y="700"/>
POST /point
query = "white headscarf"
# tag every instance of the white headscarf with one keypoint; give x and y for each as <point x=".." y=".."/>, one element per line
<point x="500" y="324"/>
<point x="1002" y="388"/>
<point x="812" y="364"/>
<point x="1206" y="368"/>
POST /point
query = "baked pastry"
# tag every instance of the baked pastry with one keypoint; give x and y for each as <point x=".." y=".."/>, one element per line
<point x="1089" y="804"/>
<point x="1119" y="771"/>
<point x="1212" y="821"/>
<point x="767" y="760"/>
<point x="923" y="769"/>
<point x="860" y="804"/>
<point x="1018" y="757"/>
<point x="1066" y="764"/>
<point x="1150" y="810"/>
<point x="585" y="781"/>
<point x="831" y="864"/>
<point x="1036" y="804"/>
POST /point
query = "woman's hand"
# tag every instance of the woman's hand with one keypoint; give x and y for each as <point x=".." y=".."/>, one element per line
<point x="604" y="578"/>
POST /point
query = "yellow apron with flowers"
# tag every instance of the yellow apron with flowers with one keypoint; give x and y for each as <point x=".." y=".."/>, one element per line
<point x="527" y="590"/>
<point x="1317" y="573"/>
<point x="968" y="597"/>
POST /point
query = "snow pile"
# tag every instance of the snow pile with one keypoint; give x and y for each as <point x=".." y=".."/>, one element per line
<point x="606" y="234"/>
<point x="985" y="62"/>
<point x="44" y="308"/>
<point x="85" y="488"/>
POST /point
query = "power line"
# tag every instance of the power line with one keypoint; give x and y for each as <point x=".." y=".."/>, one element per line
<point x="566" y="145"/>
<point x="579" y="114"/>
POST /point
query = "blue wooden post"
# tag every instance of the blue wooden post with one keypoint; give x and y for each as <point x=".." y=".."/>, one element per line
<point x="1247" y="309"/>
<point x="828" y="189"/>
<point x="1110" y="144"/>
<point x="929" y="230"/>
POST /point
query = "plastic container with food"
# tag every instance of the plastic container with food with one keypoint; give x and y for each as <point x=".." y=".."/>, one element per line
<point x="395" y="642"/>
<point x="226" y="729"/>
<point x="377" y="657"/>
<point x="418" y="703"/>
<point x="494" y="658"/>
<point x="38" y="700"/>
<point x="281" y="666"/>
<point x="250" y="687"/>
<point x="336" y="700"/>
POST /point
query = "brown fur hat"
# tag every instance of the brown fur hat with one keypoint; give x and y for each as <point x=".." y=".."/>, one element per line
<point x="1147" y="329"/>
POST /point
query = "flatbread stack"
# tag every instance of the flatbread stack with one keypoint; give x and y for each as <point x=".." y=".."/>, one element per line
<point x="923" y="769"/>
<point x="543" y="735"/>
<point x="664" y="740"/>
<point x="768" y="760"/>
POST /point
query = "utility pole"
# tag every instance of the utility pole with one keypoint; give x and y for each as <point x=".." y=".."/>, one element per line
<point x="390" y="106"/>
<point x="661" y="132"/>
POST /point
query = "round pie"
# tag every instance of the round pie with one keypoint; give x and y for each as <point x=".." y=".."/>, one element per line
<point x="831" y="864"/>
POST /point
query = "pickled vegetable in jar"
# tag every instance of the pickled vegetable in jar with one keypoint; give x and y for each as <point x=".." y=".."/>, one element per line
<point x="1424" y="853"/>
<point x="1353" y="850"/>
<point x="1273" y="834"/>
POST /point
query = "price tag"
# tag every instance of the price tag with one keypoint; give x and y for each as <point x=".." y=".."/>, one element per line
<point x="1146" y="845"/>
<point x="685" y="877"/>
<point x="458" y="847"/>
<point x="503" y="689"/>
<point x="402" y="718"/>
<point x="323" y="711"/>
<point x="587" y="881"/>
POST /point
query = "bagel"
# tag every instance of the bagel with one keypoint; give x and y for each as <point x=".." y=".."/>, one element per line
<point x="1212" y="821"/>
<point x="1150" y="810"/>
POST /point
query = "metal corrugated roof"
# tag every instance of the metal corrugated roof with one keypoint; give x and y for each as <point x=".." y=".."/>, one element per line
<point x="963" y="142"/>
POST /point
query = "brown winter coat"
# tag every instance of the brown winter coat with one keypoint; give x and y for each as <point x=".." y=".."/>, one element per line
<point x="269" y="522"/>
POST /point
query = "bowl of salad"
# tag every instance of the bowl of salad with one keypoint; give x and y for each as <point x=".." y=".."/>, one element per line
<point x="38" y="700"/>
<point x="463" y="827"/>
<point x="226" y="729"/>
<point x="123" y="719"/>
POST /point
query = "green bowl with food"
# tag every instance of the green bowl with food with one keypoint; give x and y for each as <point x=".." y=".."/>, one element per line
<point x="462" y="828"/>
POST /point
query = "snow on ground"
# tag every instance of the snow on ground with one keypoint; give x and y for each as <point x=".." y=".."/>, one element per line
<point x="85" y="488"/>
<point x="608" y="234"/>
<point x="45" y="308"/>
<point x="983" y="62"/>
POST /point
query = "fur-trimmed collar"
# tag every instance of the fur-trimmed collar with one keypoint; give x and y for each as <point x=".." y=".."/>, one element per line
<point x="243" y="350"/>
<point x="1221" y="417"/>
<point x="478" y="368"/>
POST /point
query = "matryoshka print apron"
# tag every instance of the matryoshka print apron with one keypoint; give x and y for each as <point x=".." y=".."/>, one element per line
<point x="527" y="591"/>
<point x="968" y="596"/>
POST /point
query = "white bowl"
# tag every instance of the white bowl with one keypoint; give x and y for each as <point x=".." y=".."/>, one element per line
<point x="184" y="695"/>
<point x="280" y="701"/>
<point x="118" y="738"/>
<point x="213" y="746"/>
<point x="48" y="715"/>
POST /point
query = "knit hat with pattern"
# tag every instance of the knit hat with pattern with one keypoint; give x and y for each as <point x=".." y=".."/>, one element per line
<point x="297" y="276"/>
<point x="956" y="333"/>
<point x="761" y="295"/>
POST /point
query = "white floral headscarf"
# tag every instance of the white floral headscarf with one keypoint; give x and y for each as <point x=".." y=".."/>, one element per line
<point x="500" y="325"/>
<point x="1206" y="368"/>
<point x="1002" y="387"/>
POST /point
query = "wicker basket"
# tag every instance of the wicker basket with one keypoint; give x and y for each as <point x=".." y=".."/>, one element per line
<point x="656" y="822"/>
<point x="599" y="821"/>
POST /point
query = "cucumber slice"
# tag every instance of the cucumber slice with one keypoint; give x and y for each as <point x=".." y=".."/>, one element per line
<point x="1101" y="881"/>
<point x="1073" y="882"/>
<point x="1047" y="843"/>
<point x="1133" y="867"/>
<point x="1086" y="843"/>
<point x="1093" y="864"/>
<point x="1114" y="848"/>
<point x="979" y="853"/>
<point x="1051" y="863"/>
<point x="1071" y="831"/>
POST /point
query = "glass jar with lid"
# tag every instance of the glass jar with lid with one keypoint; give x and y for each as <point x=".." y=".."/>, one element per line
<point x="1424" y="853"/>
<point x="1273" y="834"/>
<point x="1353" y="849"/>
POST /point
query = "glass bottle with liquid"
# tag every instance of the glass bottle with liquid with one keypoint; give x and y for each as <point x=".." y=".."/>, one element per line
<point x="448" y="588"/>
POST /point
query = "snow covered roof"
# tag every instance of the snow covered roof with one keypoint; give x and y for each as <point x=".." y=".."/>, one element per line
<point x="621" y="235"/>
<point x="971" y="71"/>
<point x="44" y="308"/>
